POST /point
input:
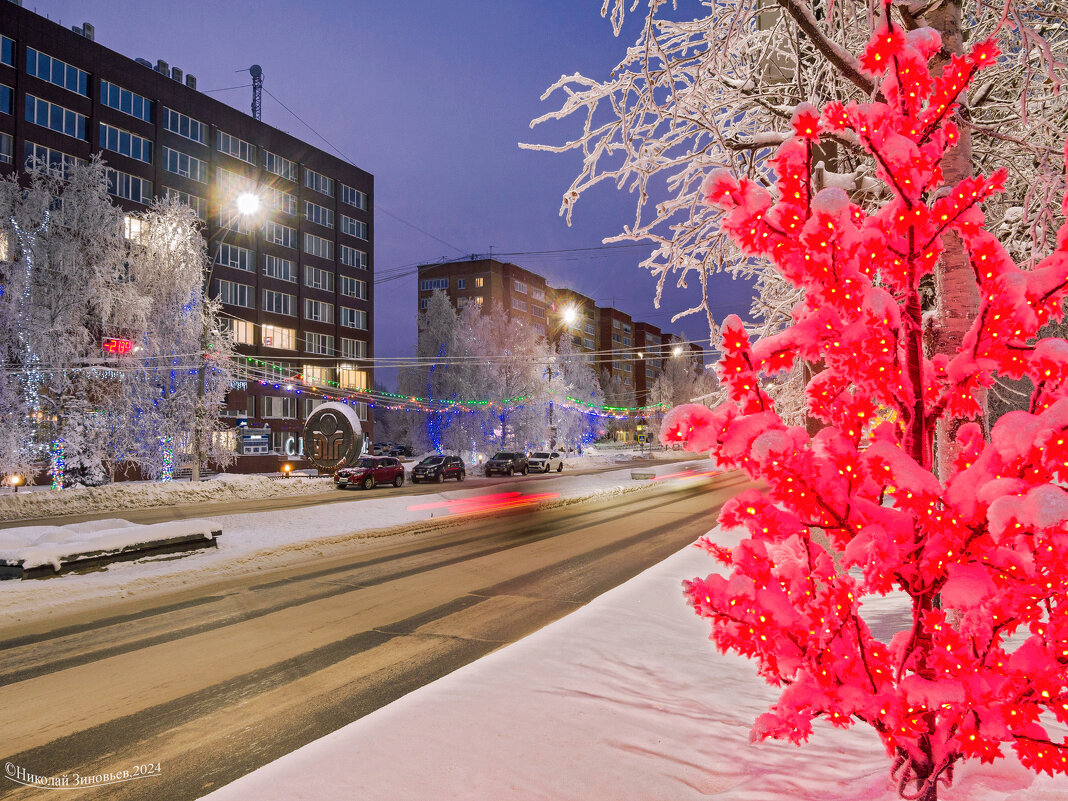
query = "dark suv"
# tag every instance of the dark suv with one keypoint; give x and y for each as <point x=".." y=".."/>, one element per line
<point x="439" y="468"/>
<point x="369" y="471"/>
<point x="506" y="463"/>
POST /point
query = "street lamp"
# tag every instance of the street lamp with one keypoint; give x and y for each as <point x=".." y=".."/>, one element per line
<point x="15" y="481"/>
<point x="676" y="351"/>
<point x="569" y="315"/>
<point x="248" y="204"/>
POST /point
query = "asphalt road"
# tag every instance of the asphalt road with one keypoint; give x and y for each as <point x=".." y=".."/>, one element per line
<point x="330" y="494"/>
<point x="211" y="684"/>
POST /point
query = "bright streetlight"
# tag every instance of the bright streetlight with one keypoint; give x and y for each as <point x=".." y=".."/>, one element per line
<point x="676" y="351"/>
<point x="248" y="203"/>
<point x="569" y="315"/>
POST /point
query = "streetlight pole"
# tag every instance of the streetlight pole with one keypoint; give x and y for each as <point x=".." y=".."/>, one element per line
<point x="247" y="204"/>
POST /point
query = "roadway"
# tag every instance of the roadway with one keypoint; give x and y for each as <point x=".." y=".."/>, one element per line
<point x="212" y="682"/>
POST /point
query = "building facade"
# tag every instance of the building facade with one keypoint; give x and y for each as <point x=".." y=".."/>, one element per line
<point x="632" y="352"/>
<point x="294" y="277"/>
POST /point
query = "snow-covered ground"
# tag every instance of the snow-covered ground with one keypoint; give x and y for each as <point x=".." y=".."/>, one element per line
<point x="258" y="541"/>
<point x="624" y="699"/>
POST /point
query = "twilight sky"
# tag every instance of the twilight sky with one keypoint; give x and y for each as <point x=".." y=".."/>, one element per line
<point x="432" y="98"/>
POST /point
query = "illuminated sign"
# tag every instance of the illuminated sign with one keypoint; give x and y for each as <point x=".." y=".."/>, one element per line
<point x="117" y="347"/>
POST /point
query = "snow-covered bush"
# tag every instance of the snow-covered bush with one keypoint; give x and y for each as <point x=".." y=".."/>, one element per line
<point x="852" y="512"/>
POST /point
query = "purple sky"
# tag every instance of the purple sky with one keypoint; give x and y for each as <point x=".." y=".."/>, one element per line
<point x="432" y="98"/>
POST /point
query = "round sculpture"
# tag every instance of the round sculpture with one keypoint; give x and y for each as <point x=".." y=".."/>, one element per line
<point x="333" y="436"/>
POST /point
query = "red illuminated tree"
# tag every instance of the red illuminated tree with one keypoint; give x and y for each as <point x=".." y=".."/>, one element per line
<point x="851" y="511"/>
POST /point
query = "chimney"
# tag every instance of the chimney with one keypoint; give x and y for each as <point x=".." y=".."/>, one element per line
<point x="162" y="66"/>
<point x="191" y="81"/>
<point x="176" y="73"/>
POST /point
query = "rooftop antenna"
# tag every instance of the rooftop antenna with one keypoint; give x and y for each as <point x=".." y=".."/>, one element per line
<point x="257" y="91"/>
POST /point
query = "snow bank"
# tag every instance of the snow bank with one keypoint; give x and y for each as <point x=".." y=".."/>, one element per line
<point x="623" y="699"/>
<point x="37" y="546"/>
<point x="144" y="494"/>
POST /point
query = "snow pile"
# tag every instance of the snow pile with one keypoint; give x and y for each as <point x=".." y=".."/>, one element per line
<point x="145" y="494"/>
<point x="623" y="699"/>
<point x="36" y="546"/>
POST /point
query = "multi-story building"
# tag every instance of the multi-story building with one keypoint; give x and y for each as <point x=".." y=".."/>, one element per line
<point x="633" y="352"/>
<point x="295" y="278"/>
<point x="485" y="282"/>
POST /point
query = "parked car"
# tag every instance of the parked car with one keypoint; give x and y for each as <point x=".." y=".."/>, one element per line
<point x="439" y="468"/>
<point x="401" y="450"/>
<point x="506" y="463"/>
<point x="545" y="461"/>
<point x="370" y="471"/>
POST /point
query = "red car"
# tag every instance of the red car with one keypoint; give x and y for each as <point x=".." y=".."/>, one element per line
<point x="369" y="471"/>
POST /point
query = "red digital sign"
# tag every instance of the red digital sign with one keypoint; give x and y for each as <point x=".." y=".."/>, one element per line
<point x="117" y="347"/>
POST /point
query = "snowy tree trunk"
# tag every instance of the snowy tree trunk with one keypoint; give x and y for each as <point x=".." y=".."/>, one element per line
<point x="957" y="298"/>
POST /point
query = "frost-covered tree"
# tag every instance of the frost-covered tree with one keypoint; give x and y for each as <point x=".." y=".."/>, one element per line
<point x="175" y="379"/>
<point x="64" y="277"/>
<point x="847" y="516"/>
<point x="574" y="390"/>
<point x="714" y="84"/>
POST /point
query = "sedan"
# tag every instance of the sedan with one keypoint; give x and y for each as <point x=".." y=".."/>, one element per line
<point x="439" y="468"/>
<point x="544" y="461"/>
<point x="370" y="471"/>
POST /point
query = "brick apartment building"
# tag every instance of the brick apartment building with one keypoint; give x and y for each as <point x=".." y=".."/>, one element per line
<point x="295" y="280"/>
<point x="632" y="351"/>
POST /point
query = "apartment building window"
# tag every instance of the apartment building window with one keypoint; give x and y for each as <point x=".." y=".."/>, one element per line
<point x="355" y="318"/>
<point x="277" y="337"/>
<point x="6" y="148"/>
<point x="233" y="256"/>
<point x="279" y="200"/>
<point x="7" y="99"/>
<point x="626" y="341"/>
<point x="616" y="339"/>
<point x="176" y="122"/>
<point x="320" y="215"/>
<point x="125" y="143"/>
<point x="587" y="343"/>
<point x="319" y="344"/>
<point x="351" y="378"/>
<point x="308" y="407"/>
<point x="279" y="408"/>
<point x="433" y="283"/>
<point x="185" y="165"/>
<point x="279" y="303"/>
<point x="461" y="283"/>
<point x="50" y="69"/>
<point x="424" y="304"/>
<point x="477" y="300"/>
<point x="279" y="234"/>
<point x="587" y="328"/>
<point x="195" y="202"/>
<point x="131" y="187"/>
<point x="232" y="221"/>
<point x="234" y="294"/>
<point x="627" y="367"/>
<point x="353" y="287"/>
<point x="7" y="51"/>
<point x="317" y="311"/>
<point x="55" y="162"/>
<point x="353" y="227"/>
<point x="114" y="96"/>
<point x="317" y="246"/>
<point x="241" y="330"/>
<point x="538" y="294"/>
<point x="480" y="282"/>
<point x="626" y="328"/>
<point x="354" y="197"/>
<point x="319" y="279"/>
<point x="316" y="374"/>
<point x="520" y="287"/>
<point x="275" y="164"/>
<point x="352" y="257"/>
<point x="521" y="305"/>
<point x="353" y="348"/>
<point x="616" y="324"/>
<point x="277" y="267"/>
<point x="238" y="148"/>
<point x="56" y="117"/>
<point x="319" y="182"/>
